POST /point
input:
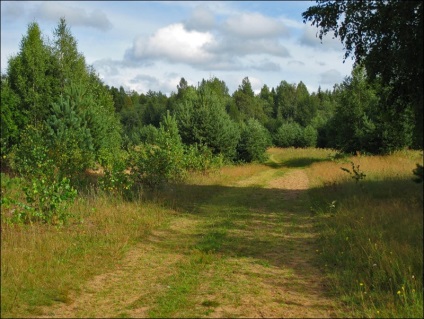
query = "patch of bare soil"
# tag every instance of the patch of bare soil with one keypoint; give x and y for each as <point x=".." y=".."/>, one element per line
<point x="296" y="181"/>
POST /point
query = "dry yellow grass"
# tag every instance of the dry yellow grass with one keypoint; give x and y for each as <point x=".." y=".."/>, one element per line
<point x="397" y="165"/>
<point x="372" y="233"/>
<point x="256" y="216"/>
<point x="41" y="263"/>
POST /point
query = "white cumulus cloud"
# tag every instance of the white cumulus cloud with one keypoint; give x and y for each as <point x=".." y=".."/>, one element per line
<point x="173" y="43"/>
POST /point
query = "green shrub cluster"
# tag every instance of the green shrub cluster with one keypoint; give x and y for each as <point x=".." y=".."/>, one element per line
<point x="291" y="134"/>
<point x="47" y="193"/>
<point x="199" y="157"/>
<point x="153" y="165"/>
<point x="254" y="141"/>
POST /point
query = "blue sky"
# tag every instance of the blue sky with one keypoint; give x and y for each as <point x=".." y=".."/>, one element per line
<point x="146" y="45"/>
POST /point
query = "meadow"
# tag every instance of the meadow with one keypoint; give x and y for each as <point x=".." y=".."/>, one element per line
<point x="296" y="236"/>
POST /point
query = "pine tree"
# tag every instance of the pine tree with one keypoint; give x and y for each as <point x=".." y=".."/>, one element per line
<point x="70" y="64"/>
<point x="30" y="76"/>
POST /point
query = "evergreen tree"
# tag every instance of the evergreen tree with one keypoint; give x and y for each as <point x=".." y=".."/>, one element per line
<point x="106" y="129"/>
<point x="205" y="121"/>
<point x="285" y="101"/>
<point x="359" y="123"/>
<point x="352" y="127"/>
<point x="155" y="108"/>
<point x="182" y="88"/>
<point x="305" y="108"/>
<point x="30" y="76"/>
<point x="70" y="64"/>
<point x="325" y="106"/>
<point x="267" y="98"/>
<point x="69" y="139"/>
<point x="248" y="105"/>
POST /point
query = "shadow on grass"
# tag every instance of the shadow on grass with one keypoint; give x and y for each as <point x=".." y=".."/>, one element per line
<point x="263" y="237"/>
<point x="270" y="227"/>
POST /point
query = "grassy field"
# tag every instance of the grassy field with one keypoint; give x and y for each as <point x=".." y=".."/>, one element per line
<point x="372" y="233"/>
<point x="294" y="237"/>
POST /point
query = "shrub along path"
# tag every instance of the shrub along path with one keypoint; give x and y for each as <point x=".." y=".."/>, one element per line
<point x="242" y="244"/>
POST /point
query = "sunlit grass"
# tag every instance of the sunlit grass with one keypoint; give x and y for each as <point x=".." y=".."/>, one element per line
<point x="370" y="246"/>
<point x="372" y="233"/>
<point x="40" y="264"/>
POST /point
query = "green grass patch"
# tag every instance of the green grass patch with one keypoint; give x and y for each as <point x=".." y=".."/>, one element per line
<point x="41" y="264"/>
<point x="372" y="238"/>
<point x="181" y="286"/>
<point x="221" y="227"/>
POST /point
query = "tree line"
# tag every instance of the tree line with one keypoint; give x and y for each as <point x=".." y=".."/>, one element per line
<point x="352" y="117"/>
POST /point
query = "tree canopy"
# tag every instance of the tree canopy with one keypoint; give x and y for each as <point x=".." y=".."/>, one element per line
<point x="386" y="37"/>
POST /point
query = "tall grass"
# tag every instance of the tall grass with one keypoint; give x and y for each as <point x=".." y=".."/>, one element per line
<point x="372" y="233"/>
<point x="40" y="264"/>
<point x="370" y="246"/>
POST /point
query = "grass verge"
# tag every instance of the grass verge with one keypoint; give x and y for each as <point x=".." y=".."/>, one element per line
<point x="40" y="264"/>
<point x="372" y="234"/>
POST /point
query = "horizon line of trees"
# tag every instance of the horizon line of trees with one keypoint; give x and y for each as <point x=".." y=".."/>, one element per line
<point x="58" y="119"/>
<point x="48" y="86"/>
<point x="352" y="117"/>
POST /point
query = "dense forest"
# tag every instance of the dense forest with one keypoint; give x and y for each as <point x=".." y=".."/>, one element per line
<point x="59" y="119"/>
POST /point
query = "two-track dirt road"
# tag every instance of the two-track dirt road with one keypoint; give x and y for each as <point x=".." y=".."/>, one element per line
<point x="241" y="249"/>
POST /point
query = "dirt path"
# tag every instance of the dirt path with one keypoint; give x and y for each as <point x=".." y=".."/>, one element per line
<point x="289" y="286"/>
<point x="245" y="251"/>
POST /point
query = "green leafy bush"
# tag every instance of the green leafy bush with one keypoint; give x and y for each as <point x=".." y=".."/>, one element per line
<point x="116" y="179"/>
<point x="40" y="200"/>
<point x="289" y="134"/>
<point x="310" y="136"/>
<point x="254" y="141"/>
<point x="47" y="201"/>
<point x="152" y="165"/>
<point x="47" y="193"/>
<point x="199" y="157"/>
<point x="31" y="156"/>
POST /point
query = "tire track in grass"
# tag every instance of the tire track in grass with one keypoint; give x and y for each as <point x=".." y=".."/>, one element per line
<point x="117" y="293"/>
<point x="243" y="251"/>
<point x="268" y="268"/>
